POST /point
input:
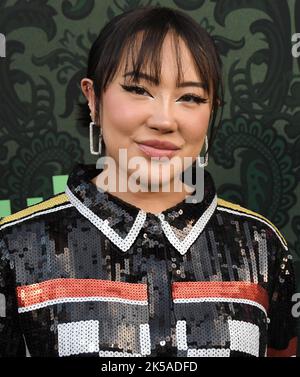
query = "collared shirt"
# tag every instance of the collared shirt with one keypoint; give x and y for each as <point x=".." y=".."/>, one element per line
<point x="86" y="273"/>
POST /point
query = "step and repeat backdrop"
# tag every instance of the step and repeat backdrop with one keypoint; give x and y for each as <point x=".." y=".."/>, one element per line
<point x="255" y="160"/>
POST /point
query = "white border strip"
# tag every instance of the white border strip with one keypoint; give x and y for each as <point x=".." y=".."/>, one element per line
<point x="181" y="337"/>
<point x="42" y="212"/>
<point x="208" y="352"/>
<point x="118" y="354"/>
<point x="253" y="217"/>
<point x="80" y="299"/>
<point x="123" y="243"/>
<point x="183" y="246"/>
<point x="145" y="339"/>
<point x="220" y="299"/>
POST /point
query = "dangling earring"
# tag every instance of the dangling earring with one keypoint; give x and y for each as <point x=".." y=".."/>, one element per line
<point x="92" y="124"/>
<point x="206" y="155"/>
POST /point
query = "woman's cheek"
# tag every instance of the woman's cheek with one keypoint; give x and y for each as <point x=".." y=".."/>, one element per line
<point x="126" y="117"/>
<point x="195" y="133"/>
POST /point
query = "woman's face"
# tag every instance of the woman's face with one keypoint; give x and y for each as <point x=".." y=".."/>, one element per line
<point x="131" y="116"/>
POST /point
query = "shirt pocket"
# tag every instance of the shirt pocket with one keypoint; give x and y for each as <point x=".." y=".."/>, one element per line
<point x="100" y="317"/>
<point x="227" y="318"/>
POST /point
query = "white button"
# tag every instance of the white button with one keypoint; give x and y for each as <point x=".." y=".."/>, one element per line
<point x="162" y="342"/>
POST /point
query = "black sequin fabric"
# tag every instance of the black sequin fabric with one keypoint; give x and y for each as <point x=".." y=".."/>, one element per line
<point x="86" y="273"/>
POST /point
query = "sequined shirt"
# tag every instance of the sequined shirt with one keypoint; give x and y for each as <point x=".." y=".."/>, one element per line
<point x="86" y="273"/>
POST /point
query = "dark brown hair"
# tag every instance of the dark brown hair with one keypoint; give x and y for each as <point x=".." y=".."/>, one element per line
<point x="119" y="37"/>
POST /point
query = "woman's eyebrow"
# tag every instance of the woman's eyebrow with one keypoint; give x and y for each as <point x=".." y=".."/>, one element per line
<point x="150" y="78"/>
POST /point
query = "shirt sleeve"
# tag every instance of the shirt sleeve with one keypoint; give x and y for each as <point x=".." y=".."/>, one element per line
<point x="11" y="337"/>
<point x="282" y="327"/>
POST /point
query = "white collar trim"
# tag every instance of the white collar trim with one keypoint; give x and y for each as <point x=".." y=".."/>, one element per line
<point x="125" y="243"/>
<point x="183" y="246"/>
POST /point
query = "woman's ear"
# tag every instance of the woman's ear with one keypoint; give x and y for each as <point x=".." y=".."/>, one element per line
<point x="88" y="91"/>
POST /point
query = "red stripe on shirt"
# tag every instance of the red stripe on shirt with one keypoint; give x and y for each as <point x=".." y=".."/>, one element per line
<point x="221" y="289"/>
<point x="60" y="288"/>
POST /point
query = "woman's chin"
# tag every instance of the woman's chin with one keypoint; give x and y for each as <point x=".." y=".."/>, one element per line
<point x="150" y="183"/>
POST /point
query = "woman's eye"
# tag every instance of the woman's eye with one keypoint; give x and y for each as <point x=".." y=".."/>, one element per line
<point x="196" y="99"/>
<point x="134" y="89"/>
<point x="141" y="91"/>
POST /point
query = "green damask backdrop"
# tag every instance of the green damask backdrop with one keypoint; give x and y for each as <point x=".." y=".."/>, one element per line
<point x="255" y="160"/>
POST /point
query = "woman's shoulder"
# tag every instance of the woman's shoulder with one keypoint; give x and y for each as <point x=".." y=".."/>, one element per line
<point x="234" y="210"/>
<point x="36" y="212"/>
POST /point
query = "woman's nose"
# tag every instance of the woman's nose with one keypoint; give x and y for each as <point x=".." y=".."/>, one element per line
<point x="163" y="118"/>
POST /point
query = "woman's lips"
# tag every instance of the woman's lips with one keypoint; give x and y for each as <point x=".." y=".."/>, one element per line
<point x="154" y="152"/>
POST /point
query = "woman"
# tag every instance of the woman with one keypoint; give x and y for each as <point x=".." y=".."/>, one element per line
<point x="105" y="271"/>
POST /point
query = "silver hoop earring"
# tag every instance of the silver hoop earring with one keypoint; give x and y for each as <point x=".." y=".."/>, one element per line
<point x="206" y="155"/>
<point x="92" y="124"/>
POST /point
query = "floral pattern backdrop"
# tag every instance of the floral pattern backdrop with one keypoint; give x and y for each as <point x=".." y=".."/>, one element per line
<point x="255" y="160"/>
